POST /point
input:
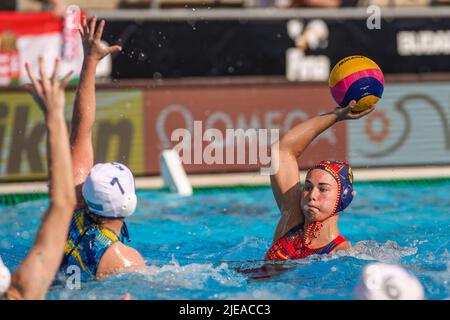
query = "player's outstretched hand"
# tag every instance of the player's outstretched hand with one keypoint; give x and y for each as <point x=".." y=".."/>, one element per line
<point x="91" y="35"/>
<point x="48" y="92"/>
<point x="347" y="113"/>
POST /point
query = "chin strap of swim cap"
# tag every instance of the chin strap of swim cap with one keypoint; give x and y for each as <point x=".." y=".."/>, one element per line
<point x="124" y="232"/>
<point x="5" y="278"/>
<point x="312" y="232"/>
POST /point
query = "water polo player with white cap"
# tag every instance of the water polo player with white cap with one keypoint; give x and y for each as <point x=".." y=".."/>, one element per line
<point x="99" y="228"/>
<point x="106" y="191"/>
<point x="309" y="215"/>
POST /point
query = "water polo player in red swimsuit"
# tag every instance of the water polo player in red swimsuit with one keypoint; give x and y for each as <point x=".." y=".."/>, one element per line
<point x="309" y="215"/>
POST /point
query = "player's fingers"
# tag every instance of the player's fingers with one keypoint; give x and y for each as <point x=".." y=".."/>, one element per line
<point x="33" y="79"/>
<point x="66" y="79"/>
<point x="85" y="25"/>
<point x="56" y="70"/>
<point x="92" y="26"/>
<point x="80" y="30"/>
<point x="99" y="32"/>
<point x="43" y="74"/>
<point x="113" y="49"/>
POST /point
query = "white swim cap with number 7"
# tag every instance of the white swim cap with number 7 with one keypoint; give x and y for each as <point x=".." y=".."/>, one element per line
<point x="109" y="190"/>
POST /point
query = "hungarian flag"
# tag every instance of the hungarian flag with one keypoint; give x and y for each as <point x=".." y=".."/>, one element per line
<point x="26" y="36"/>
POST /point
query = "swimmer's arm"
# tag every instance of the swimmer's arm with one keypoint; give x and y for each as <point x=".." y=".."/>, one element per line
<point x="37" y="271"/>
<point x="83" y="116"/>
<point x="285" y="182"/>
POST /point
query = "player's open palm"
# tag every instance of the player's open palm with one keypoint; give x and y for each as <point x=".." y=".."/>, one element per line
<point x="48" y="92"/>
<point x="91" y="35"/>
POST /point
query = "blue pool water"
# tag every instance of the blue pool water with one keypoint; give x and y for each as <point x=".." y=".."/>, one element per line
<point x="195" y="244"/>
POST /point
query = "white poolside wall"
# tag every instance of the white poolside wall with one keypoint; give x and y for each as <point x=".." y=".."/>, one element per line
<point x="254" y="179"/>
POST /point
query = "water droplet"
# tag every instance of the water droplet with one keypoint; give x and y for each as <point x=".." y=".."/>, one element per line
<point x="142" y="56"/>
<point x="5" y="244"/>
<point x="230" y="69"/>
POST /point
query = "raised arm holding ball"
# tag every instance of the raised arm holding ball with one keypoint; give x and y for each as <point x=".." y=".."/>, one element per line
<point x="309" y="215"/>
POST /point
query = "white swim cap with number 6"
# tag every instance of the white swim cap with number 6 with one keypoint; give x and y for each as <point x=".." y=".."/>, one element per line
<point x="380" y="281"/>
<point x="5" y="278"/>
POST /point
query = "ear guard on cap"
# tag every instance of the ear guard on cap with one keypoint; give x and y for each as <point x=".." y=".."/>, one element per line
<point x="342" y="173"/>
<point x="129" y="205"/>
<point x="345" y="198"/>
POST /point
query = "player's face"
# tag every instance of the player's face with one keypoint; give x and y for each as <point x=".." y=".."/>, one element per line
<point x="318" y="196"/>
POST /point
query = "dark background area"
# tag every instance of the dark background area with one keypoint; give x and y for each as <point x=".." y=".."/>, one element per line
<point x="159" y="49"/>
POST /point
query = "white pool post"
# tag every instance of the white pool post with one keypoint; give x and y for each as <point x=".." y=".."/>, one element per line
<point x="173" y="174"/>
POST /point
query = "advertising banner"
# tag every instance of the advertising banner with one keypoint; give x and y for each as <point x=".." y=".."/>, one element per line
<point x="411" y="126"/>
<point x="229" y="128"/>
<point x="198" y="110"/>
<point x="239" y="47"/>
<point x="117" y="133"/>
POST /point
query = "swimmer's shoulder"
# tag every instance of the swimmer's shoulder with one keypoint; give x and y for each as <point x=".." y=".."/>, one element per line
<point x="119" y="258"/>
<point x="342" y="246"/>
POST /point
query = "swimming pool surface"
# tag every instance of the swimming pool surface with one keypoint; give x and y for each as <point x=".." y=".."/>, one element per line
<point x="196" y="244"/>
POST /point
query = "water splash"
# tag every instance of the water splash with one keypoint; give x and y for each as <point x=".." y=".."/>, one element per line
<point x="389" y="252"/>
<point x="193" y="276"/>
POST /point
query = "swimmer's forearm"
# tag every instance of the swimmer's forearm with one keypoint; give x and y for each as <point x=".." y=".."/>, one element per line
<point x="83" y="119"/>
<point x="83" y="116"/>
<point x="59" y="161"/>
<point x="298" y="138"/>
<point x="52" y="233"/>
<point x="46" y="254"/>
